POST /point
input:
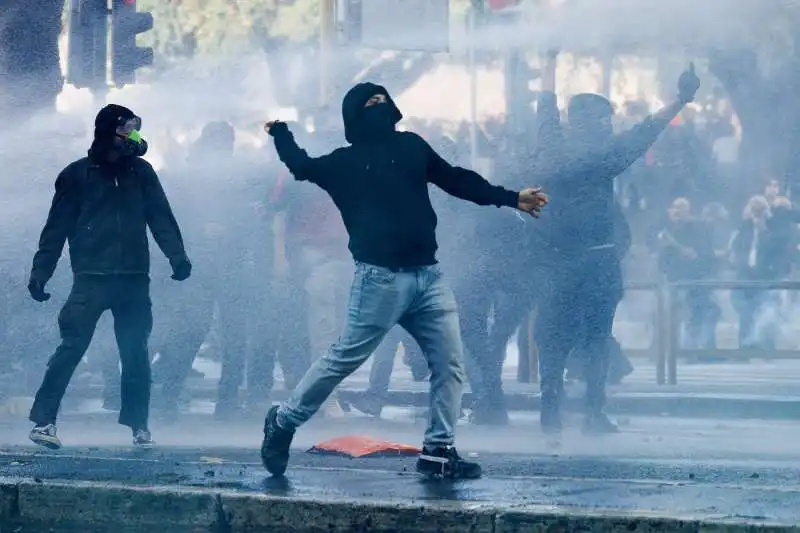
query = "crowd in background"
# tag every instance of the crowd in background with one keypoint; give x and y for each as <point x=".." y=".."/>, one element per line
<point x="272" y="267"/>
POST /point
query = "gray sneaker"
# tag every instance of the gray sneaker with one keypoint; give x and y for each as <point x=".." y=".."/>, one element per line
<point x="143" y="439"/>
<point x="45" y="436"/>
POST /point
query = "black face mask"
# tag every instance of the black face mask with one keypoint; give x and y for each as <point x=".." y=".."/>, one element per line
<point x="130" y="148"/>
<point x="377" y="119"/>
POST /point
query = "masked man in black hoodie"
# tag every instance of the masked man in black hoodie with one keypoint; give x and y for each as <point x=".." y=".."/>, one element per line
<point x="581" y="253"/>
<point x="380" y="186"/>
<point x="102" y="207"/>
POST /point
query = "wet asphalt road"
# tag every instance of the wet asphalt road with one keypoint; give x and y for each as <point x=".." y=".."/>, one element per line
<point x="732" y="489"/>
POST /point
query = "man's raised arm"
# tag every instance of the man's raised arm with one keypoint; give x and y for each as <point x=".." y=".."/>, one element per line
<point x="634" y="143"/>
<point x="302" y="166"/>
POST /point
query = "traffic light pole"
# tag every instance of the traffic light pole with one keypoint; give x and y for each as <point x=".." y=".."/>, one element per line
<point x="87" y="50"/>
<point x="327" y="35"/>
<point x="472" y="17"/>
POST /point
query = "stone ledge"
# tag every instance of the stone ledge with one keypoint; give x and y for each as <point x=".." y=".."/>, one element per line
<point x="530" y="518"/>
<point x="9" y="498"/>
<point x="108" y="507"/>
<point x="111" y="505"/>
<point x="247" y="512"/>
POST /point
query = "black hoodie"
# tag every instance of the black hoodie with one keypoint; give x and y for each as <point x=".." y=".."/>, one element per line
<point x="103" y="210"/>
<point x="380" y="182"/>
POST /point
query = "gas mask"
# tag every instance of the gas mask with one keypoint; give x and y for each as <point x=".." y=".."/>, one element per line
<point x="131" y="143"/>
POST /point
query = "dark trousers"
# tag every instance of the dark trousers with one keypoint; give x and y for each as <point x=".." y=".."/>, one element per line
<point x="184" y="312"/>
<point x="278" y="340"/>
<point x="576" y="312"/>
<point x="703" y="316"/>
<point x="128" y="299"/>
<point x="474" y="302"/>
<point x="485" y="347"/>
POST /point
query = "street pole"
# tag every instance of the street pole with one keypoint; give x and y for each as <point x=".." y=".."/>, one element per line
<point x="473" y="89"/>
<point x="327" y="34"/>
<point x="607" y="63"/>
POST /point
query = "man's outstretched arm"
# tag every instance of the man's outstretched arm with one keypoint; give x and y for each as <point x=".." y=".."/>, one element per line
<point x="469" y="185"/>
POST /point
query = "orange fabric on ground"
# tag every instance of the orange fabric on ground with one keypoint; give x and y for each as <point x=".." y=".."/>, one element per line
<point x="361" y="446"/>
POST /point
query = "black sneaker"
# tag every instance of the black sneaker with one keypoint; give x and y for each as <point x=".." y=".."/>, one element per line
<point x="276" y="444"/>
<point x="143" y="439"/>
<point x="550" y="420"/>
<point x="443" y="462"/>
<point x="45" y="436"/>
<point x="599" y="424"/>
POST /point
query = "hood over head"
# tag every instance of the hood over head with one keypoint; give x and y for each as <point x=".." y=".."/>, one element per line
<point x="590" y="114"/>
<point x="361" y="123"/>
<point x="215" y="139"/>
<point x="106" y="122"/>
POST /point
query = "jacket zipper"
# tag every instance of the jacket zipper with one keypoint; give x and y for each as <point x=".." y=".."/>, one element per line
<point x="119" y="222"/>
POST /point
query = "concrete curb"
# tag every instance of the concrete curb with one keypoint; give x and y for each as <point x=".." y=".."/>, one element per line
<point x="107" y="508"/>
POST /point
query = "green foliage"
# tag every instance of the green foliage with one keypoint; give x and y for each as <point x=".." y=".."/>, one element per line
<point x="183" y="28"/>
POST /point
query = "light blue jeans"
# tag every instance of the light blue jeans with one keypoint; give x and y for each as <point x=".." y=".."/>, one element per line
<point x="421" y="302"/>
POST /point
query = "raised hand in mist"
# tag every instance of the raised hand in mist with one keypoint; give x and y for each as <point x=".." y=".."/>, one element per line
<point x="688" y="84"/>
<point x="268" y="127"/>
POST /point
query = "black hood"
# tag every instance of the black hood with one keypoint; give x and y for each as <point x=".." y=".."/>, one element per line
<point x="105" y="126"/>
<point x="353" y="105"/>
<point x="588" y="114"/>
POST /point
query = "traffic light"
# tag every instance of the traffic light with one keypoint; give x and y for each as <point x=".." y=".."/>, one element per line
<point x="86" y="45"/>
<point x="126" y="57"/>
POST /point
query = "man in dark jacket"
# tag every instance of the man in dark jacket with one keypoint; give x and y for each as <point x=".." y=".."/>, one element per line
<point x="380" y="186"/>
<point x="102" y="207"/>
<point x="584" y="284"/>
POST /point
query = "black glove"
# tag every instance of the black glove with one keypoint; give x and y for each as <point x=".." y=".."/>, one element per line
<point x="36" y="288"/>
<point x="277" y="127"/>
<point x="181" y="269"/>
<point x="688" y="84"/>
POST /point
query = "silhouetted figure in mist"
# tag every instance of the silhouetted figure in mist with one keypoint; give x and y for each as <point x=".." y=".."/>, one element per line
<point x="686" y="253"/>
<point x="762" y="248"/>
<point x="184" y="317"/>
<point x="584" y="282"/>
<point x="102" y="207"/>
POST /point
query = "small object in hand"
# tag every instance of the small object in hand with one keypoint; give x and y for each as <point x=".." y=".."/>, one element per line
<point x="531" y="200"/>
<point x="268" y="125"/>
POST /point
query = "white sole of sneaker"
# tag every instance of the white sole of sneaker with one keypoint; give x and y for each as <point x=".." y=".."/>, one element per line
<point x="46" y="443"/>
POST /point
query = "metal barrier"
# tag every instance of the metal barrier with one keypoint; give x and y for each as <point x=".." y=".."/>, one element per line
<point x="666" y="343"/>
<point x="672" y="342"/>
